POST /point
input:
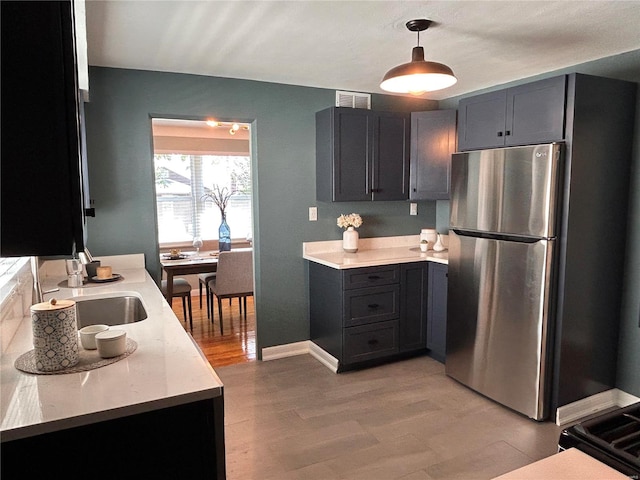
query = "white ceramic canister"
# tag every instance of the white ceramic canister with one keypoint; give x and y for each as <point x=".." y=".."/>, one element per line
<point x="429" y="234"/>
<point x="55" y="335"/>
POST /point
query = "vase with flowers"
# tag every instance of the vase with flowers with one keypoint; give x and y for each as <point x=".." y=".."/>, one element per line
<point x="350" y="236"/>
<point x="220" y="196"/>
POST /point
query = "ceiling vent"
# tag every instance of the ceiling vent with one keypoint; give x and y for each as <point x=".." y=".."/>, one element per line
<point x="353" y="99"/>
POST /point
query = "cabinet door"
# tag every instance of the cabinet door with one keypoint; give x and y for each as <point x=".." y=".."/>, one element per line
<point x="390" y="160"/>
<point x="41" y="206"/>
<point x="482" y="121"/>
<point x="413" y="307"/>
<point x="535" y="112"/>
<point x="523" y="115"/>
<point x="433" y="140"/>
<point x="437" y="311"/>
<point x="361" y="155"/>
<point x="352" y="152"/>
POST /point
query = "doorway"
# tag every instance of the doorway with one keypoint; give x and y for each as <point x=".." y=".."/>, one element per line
<point x="197" y="163"/>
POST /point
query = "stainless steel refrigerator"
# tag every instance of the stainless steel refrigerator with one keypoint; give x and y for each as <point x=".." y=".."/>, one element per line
<point x="505" y="211"/>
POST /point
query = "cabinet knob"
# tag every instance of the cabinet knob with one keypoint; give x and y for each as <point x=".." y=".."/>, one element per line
<point x="507" y="133"/>
<point x="375" y="190"/>
<point x="499" y="134"/>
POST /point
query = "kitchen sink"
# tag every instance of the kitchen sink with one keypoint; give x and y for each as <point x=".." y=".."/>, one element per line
<point x="115" y="310"/>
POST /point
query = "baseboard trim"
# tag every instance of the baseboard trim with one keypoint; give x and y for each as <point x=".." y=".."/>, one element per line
<point x="301" y="348"/>
<point x="573" y="412"/>
<point x="323" y="357"/>
<point x="287" y="350"/>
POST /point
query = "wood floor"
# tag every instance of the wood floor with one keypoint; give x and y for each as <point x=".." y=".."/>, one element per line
<point x="293" y="418"/>
<point x="237" y="345"/>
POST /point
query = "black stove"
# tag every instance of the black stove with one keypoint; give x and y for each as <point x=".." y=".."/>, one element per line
<point x="612" y="438"/>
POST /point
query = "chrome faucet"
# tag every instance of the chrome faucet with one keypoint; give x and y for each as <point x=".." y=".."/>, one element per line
<point x="85" y="257"/>
<point x="37" y="289"/>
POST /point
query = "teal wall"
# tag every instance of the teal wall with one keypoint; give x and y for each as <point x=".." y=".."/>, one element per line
<point x="625" y="67"/>
<point x="121" y="176"/>
<point x="119" y="151"/>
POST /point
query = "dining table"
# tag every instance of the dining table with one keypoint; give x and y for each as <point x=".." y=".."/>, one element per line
<point x="188" y="263"/>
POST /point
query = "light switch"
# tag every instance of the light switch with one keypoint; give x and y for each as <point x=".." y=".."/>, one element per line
<point x="413" y="209"/>
<point x="313" y="214"/>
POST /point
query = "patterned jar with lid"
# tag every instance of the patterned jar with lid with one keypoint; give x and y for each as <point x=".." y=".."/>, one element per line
<point x="55" y="335"/>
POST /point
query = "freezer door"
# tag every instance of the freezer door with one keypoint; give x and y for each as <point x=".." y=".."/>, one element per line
<point x="498" y="319"/>
<point x="508" y="190"/>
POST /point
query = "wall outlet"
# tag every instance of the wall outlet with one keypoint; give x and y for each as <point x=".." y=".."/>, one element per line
<point x="313" y="214"/>
<point x="413" y="209"/>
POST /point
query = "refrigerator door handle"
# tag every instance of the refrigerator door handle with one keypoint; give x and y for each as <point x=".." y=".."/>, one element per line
<point x="497" y="236"/>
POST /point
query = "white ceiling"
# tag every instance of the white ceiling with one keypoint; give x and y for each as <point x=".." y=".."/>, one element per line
<point x="349" y="45"/>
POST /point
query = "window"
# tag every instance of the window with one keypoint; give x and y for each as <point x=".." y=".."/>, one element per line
<point x="185" y="171"/>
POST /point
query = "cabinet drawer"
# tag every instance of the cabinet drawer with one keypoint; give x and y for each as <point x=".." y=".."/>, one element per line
<point x="368" y="305"/>
<point x="370" y="341"/>
<point x="371" y="276"/>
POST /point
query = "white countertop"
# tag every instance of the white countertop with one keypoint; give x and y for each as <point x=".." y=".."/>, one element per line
<point x="371" y="252"/>
<point x="167" y="369"/>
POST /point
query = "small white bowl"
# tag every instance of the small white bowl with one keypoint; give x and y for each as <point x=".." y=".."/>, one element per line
<point x="111" y="343"/>
<point x="88" y="335"/>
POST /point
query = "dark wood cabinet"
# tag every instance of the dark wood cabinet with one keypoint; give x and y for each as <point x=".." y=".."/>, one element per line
<point x="433" y="140"/>
<point x="413" y="306"/>
<point x="182" y="441"/>
<point x="361" y="155"/>
<point x="368" y="313"/>
<point x="526" y="114"/>
<point x="42" y="207"/>
<point x="437" y="311"/>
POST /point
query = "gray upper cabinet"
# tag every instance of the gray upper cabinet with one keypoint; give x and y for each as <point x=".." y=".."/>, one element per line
<point x="522" y="115"/>
<point x="41" y="205"/>
<point x="433" y="140"/>
<point x="361" y="155"/>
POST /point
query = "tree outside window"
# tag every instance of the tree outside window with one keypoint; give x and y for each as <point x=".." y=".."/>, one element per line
<point x="181" y="182"/>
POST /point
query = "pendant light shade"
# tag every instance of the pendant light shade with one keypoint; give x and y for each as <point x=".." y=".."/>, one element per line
<point x="418" y="76"/>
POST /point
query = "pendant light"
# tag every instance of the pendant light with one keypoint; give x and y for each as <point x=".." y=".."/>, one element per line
<point x="418" y="76"/>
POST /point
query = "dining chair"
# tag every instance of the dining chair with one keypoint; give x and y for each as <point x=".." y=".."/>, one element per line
<point x="234" y="279"/>
<point x="181" y="289"/>
<point x="203" y="279"/>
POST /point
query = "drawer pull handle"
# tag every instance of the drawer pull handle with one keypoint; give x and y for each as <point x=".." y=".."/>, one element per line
<point x="373" y="341"/>
<point x="374" y="277"/>
<point x="373" y="306"/>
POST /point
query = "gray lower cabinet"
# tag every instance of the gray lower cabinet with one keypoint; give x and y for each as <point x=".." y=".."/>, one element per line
<point x="369" y="313"/>
<point x="413" y="306"/>
<point x="437" y="311"/>
<point x="181" y="441"/>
